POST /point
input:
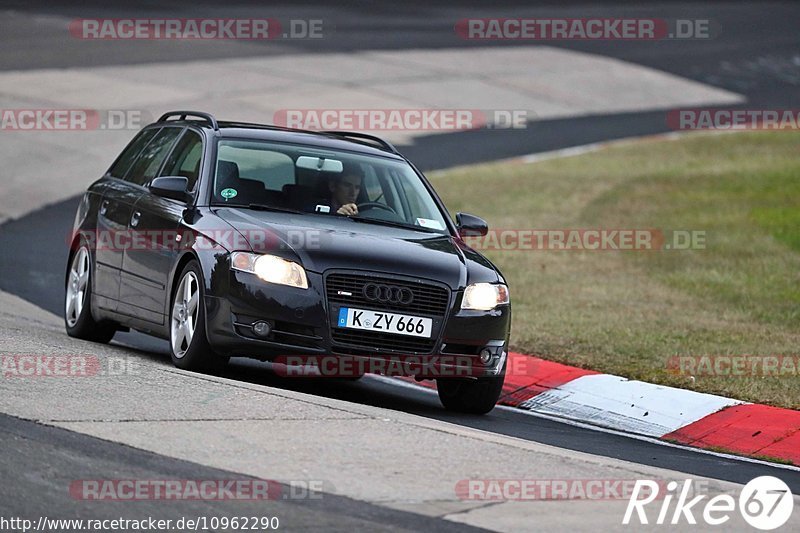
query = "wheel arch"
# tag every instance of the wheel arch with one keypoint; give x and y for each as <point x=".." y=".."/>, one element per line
<point x="184" y="260"/>
<point x="208" y="263"/>
<point x="73" y="247"/>
<point x="77" y="240"/>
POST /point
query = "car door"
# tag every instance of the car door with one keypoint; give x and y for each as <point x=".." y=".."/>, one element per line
<point x="116" y="206"/>
<point x="146" y="167"/>
<point x="157" y="220"/>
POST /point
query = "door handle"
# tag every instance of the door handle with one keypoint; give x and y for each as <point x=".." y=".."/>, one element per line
<point x="104" y="207"/>
<point x="135" y="218"/>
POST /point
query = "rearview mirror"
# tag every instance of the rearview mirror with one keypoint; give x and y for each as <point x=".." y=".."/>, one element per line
<point x="319" y="163"/>
<point x="174" y="187"/>
<point x="470" y="225"/>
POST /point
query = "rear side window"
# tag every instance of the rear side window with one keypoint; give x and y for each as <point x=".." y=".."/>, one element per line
<point x="149" y="161"/>
<point x="123" y="162"/>
<point x="185" y="158"/>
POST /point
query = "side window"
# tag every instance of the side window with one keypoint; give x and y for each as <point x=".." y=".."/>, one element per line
<point x="123" y="162"/>
<point x="149" y="161"/>
<point x="185" y="158"/>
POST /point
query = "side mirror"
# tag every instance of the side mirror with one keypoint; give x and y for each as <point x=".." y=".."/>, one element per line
<point x="470" y="225"/>
<point x="174" y="187"/>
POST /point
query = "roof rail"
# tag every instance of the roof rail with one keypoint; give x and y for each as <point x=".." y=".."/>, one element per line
<point x="183" y="114"/>
<point x="385" y="145"/>
<point x="235" y="123"/>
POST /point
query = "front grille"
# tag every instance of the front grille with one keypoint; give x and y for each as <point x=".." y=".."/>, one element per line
<point x="428" y="299"/>
<point x="376" y="340"/>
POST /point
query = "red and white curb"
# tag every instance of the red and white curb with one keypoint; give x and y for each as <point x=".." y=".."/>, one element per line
<point x="666" y="413"/>
<point x="625" y="405"/>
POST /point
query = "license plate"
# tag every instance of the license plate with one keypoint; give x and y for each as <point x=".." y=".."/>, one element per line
<point x="387" y="322"/>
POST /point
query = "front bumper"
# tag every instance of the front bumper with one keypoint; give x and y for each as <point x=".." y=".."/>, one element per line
<point x="303" y="325"/>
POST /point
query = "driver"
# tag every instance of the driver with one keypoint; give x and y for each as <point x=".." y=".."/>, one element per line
<point x="345" y="188"/>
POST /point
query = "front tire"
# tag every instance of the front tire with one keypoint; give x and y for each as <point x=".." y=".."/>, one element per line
<point x="78" y="318"/>
<point x="189" y="345"/>
<point x="476" y="397"/>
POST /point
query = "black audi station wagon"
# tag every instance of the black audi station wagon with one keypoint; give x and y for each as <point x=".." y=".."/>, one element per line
<point x="245" y="240"/>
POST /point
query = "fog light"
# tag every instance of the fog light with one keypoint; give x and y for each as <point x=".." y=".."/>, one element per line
<point x="485" y="356"/>
<point x="262" y="329"/>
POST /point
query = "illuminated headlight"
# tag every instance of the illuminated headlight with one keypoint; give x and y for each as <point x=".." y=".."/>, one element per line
<point x="271" y="268"/>
<point x="484" y="296"/>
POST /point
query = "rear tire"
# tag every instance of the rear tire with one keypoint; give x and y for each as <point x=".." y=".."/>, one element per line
<point x="78" y="318"/>
<point x="189" y="345"/>
<point x="476" y="397"/>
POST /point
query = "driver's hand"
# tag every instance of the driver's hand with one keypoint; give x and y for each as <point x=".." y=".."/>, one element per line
<point x="348" y="209"/>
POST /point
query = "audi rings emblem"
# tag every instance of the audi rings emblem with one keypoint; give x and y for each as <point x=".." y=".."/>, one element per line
<point x="386" y="294"/>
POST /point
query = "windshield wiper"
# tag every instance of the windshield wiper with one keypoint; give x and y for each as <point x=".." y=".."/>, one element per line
<point x="263" y="207"/>
<point x="393" y="224"/>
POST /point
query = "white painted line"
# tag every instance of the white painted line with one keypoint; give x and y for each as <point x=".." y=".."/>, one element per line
<point x="596" y="147"/>
<point x="582" y="149"/>
<point x="593" y="147"/>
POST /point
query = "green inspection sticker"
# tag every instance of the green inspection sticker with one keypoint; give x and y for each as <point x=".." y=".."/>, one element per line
<point x="228" y="193"/>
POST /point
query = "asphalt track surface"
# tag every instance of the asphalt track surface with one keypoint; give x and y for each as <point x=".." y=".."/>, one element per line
<point x="754" y="52"/>
<point x="46" y="459"/>
<point x="757" y="54"/>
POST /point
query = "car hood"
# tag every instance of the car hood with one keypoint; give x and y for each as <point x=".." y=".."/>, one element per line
<point x="322" y="242"/>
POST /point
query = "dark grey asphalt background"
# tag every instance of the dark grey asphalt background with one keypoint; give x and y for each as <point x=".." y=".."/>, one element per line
<point x="757" y="53"/>
<point x="39" y="462"/>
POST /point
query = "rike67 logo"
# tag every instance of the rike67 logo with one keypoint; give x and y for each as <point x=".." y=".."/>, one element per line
<point x="765" y="503"/>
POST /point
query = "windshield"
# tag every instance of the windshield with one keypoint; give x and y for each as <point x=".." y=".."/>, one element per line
<point x="327" y="182"/>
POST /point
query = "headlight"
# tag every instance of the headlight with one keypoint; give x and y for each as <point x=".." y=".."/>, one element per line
<point x="484" y="296"/>
<point x="271" y="268"/>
